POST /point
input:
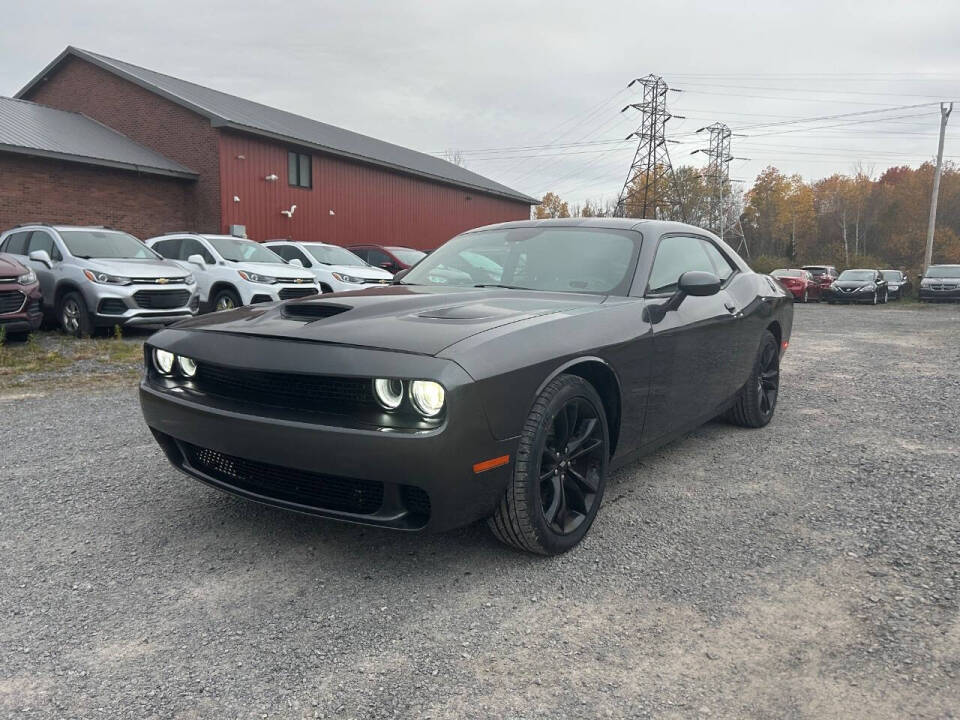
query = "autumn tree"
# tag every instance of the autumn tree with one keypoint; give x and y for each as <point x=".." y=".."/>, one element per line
<point x="551" y="206"/>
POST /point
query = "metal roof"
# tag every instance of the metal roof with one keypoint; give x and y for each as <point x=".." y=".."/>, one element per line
<point x="27" y="128"/>
<point x="237" y="113"/>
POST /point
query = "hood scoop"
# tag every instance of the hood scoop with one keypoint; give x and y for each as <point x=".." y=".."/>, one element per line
<point x="313" y="310"/>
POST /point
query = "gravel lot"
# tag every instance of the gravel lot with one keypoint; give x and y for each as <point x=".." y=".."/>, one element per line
<point x="808" y="570"/>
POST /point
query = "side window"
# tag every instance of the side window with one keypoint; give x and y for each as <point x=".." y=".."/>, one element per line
<point x="297" y="254"/>
<point x="723" y="267"/>
<point x="190" y="246"/>
<point x="361" y="253"/>
<point x="378" y="258"/>
<point x="170" y="249"/>
<point x="676" y="255"/>
<point x="16" y="244"/>
<point x="41" y="240"/>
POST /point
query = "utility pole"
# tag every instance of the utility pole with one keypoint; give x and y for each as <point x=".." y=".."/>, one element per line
<point x="945" y="110"/>
<point x="651" y="167"/>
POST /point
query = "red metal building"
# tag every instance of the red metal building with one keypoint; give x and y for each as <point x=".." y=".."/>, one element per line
<point x="253" y="163"/>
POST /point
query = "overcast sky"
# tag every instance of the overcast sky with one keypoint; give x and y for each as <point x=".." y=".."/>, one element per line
<point x="496" y="79"/>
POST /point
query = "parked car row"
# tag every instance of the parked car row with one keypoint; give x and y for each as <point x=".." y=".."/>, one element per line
<point x="87" y="278"/>
<point x="822" y="282"/>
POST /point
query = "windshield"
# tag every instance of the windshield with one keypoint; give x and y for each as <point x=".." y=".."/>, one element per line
<point x="816" y="271"/>
<point x="334" y="255"/>
<point x="947" y="271"/>
<point x="856" y="275"/>
<point x="106" y="244"/>
<point x="240" y="250"/>
<point x="407" y="256"/>
<point x="891" y="275"/>
<point x="554" y="259"/>
<point x="788" y="273"/>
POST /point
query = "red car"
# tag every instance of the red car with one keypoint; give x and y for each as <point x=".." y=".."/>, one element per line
<point x="824" y="275"/>
<point x="801" y="283"/>
<point x="389" y="257"/>
<point x="19" y="297"/>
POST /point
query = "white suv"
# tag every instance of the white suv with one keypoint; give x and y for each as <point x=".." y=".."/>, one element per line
<point x="232" y="271"/>
<point x="336" y="268"/>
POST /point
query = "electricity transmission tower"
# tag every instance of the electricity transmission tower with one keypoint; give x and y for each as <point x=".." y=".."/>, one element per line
<point x="650" y="189"/>
<point x="717" y="175"/>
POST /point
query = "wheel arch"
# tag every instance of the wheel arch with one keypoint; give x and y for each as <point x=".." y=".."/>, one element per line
<point x="62" y="288"/>
<point x="777" y="331"/>
<point x="222" y="285"/>
<point x="604" y="380"/>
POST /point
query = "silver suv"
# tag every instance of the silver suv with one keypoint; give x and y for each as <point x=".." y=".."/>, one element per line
<point x="94" y="277"/>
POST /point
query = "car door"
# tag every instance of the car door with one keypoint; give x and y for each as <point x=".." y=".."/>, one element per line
<point x="694" y="346"/>
<point x="46" y="276"/>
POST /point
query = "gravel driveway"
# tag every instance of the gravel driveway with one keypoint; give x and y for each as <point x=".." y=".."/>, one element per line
<point x="808" y="570"/>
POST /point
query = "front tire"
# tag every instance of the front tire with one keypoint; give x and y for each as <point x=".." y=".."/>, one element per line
<point x="757" y="399"/>
<point x="74" y="316"/>
<point x="226" y="299"/>
<point x="560" y="471"/>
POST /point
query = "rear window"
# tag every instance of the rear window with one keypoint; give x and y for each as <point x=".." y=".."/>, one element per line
<point x="788" y="273"/>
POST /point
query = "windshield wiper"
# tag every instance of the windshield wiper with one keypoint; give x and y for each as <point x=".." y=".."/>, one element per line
<point x="506" y="287"/>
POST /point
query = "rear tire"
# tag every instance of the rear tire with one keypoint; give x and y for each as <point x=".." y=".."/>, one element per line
<point x="806" y="297"/>
<point x="757" y="400"/>
<point x="74" y="316"/>
<point x="560" y="471"/>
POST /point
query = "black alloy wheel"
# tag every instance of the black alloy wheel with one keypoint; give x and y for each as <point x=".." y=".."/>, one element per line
<point x="560" y="472"/>
<point x="757" y="399"/>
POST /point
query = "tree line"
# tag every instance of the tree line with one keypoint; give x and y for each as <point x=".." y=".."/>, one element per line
<point x="844" y="220"/>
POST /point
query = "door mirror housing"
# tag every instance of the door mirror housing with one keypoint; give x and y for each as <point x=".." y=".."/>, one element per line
<point x="197" y="260"/>
<point x="399" y="275"/>
<point x="296" y="261"/>
<point x="41" y="256"/>
<point x="699" y="284"/>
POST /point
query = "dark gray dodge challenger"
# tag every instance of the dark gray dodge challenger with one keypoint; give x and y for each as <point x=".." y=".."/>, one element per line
<point x="501" y="378"/>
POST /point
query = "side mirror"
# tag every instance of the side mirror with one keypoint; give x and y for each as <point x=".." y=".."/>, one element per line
<point x="296" y="261"/>
<point x="197" y="260"/>
<point x="399" y="275"/>
<point x="699" y="284"/>
<point x="388" y="266"/>
<point x="41" y="256"/>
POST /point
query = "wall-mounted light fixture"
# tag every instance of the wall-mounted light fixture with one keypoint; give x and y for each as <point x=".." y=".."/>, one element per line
<point x="236" y="198"/>
<point x="241" y="157"/>
<point x="271" y="178"/>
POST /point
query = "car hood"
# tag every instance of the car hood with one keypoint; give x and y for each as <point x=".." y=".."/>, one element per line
<point x="850" y="284"/>
<point x="130" y="267"/>
<point x="281" y="270"/>
<point x="414" y="319"/>
<point x="367" y="273"/>
<point x="10" y="267"/>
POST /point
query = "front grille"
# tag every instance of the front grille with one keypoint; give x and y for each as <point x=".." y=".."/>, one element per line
<point x="288" y="293"/>
<point x="11" y="301"/>
<point x="161" y="299"/>
<point x="112" y="306"/>
<point x="327" y="492"/>
<point x="286" y="390"/>
<point x="159" y="281"/>
<point x="943" y="286"/>
<point x="377" y="281"/>
<point x="416" y="500"/>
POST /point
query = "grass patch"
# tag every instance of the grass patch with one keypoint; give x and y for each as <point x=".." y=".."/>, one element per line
<point x="54" y="358"/>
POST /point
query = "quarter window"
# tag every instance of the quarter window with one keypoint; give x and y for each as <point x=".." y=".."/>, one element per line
<point x="676" y="255"/>
<point x="299" y="170"/>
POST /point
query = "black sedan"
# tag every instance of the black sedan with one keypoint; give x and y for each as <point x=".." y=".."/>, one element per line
<point x="858" y="286"/>
<point x="450" y="397"/>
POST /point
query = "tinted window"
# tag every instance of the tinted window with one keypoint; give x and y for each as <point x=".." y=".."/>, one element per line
<point x="168" y="248"/>
<point x="16" y="244"/>
<point x="858" y="275"/>
<point x="557" y="259"/>
<point x="361" y="253"/>
<point x="378" y="258"/>
<point x="676" y="255"/>
<point x="723" y="267"/>
<point x="107" y="244"/>
<point x="192" y="246"/>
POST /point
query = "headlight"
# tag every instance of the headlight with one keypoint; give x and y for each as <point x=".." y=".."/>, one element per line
<point x="27" y="279"/>
<point x="189" y="279"/>
<point x="105" y="279"/>
<point x="187" y="366"/>
<point x="346" y="278"/>
<point x="427" y="397"/>
<point x="163" y="361"/>
<point x="389" y="392"/>
<point x="256" y="277"/>
<point x="867" y="288"/>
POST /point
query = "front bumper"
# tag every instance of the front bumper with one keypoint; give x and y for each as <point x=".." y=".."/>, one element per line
<point x="255" y="293"/>
<point x="854" y="297"/>
<point x="951" y="294"/>
<point x="289" y="458"/>
<point x="140" y="304"/>
<point x="28" y="316"/>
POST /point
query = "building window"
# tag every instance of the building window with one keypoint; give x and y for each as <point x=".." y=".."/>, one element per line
<point x="298" y="170"/>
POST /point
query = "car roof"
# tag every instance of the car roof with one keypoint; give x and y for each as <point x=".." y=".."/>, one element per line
<point x="946" y="265"/>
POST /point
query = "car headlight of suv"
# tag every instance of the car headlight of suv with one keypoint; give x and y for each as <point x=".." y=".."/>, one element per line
<point x="257" y="277"/>
<point x="106" y="279"/>
<point x="27" y="278"/>
<point x="189" y="279"/>
<point x="340" y="277"/>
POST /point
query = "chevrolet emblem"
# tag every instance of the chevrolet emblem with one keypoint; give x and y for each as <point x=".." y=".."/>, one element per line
<point x="162" y="281"/>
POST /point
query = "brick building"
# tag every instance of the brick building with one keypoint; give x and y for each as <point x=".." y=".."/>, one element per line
<point x="219" y="162"/>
